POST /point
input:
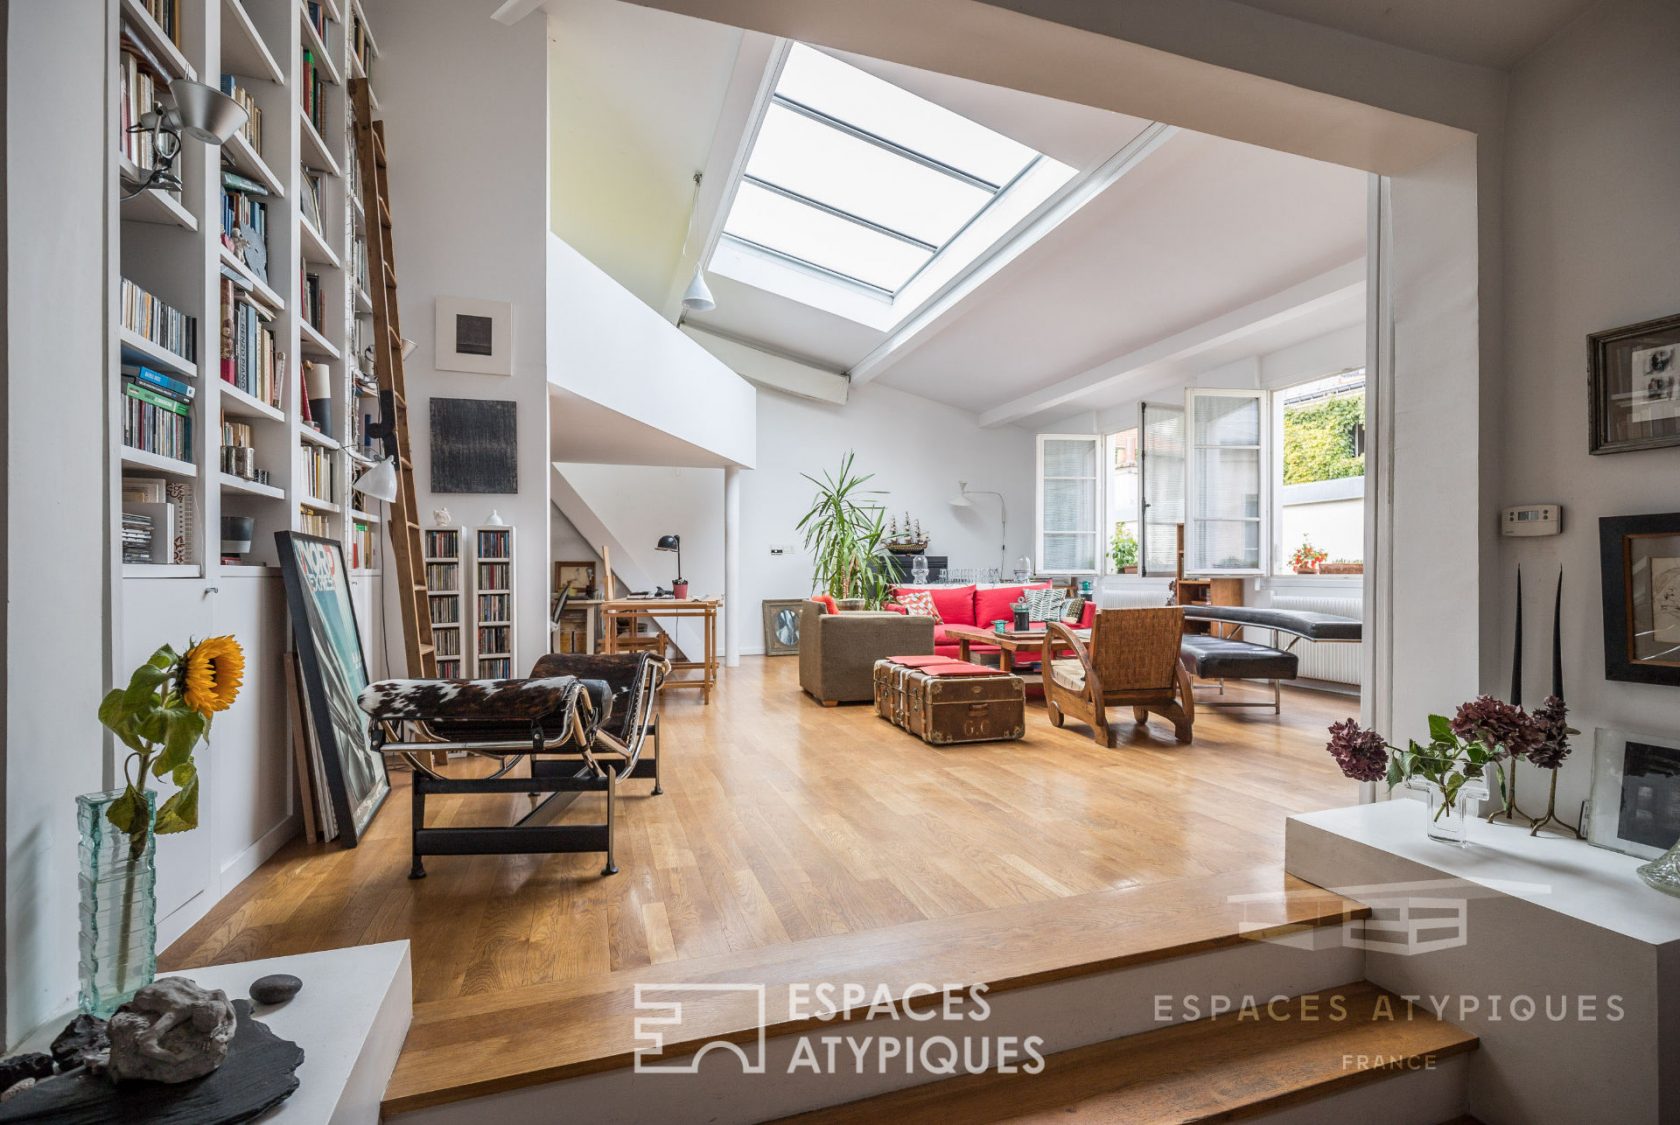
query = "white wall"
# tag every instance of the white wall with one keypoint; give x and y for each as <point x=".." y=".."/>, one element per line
<point x="1592" y="243"/>
<point x="466" y="133"/>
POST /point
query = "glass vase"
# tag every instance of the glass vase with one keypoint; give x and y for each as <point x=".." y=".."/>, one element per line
<point x="1446" y="821"/>
<point x="1663" y="873"/>
<point x="118" y="906"/>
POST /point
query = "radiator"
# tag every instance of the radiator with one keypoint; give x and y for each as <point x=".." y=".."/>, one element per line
<point x="1334" y="663"/>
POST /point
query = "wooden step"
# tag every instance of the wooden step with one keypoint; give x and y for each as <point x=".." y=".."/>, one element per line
<point x="466" y="1047"/>
<point x="1236" y="1065"/>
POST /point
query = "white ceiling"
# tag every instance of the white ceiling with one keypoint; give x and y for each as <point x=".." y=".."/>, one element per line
<point x="1496" y="33"/>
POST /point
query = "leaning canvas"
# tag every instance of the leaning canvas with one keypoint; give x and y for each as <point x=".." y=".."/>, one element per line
<point x="329" y="649"/>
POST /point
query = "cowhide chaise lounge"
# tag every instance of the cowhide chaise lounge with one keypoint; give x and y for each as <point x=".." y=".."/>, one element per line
<point x="582" y="720"/>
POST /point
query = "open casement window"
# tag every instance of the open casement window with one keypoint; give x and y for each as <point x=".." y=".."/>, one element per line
<point x="1163" y="487"/>
<point x="1226" y="478"/>
<point x="1070" y="498"/>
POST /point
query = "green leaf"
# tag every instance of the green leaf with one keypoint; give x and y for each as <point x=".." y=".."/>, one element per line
<point x="1440" y="729"/>
<point x="164" y="658"/>
<point x="1396" y="774"/>
<point x="180" y="812"/>
<point x="183" y="727"/>
<point x="111" y="709"/>
<point x="126" y="811"/>
<point x="142" y="688"/>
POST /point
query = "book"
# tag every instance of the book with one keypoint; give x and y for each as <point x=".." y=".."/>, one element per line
<point x="160" y="382"/>
<point x="164" y="402"/>
<point x="234" y="182"/>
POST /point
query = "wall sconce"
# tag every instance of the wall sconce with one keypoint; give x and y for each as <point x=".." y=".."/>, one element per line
<point x="202" y="112"/>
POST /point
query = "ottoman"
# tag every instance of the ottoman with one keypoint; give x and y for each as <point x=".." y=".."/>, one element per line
<point x="944" y="701"/>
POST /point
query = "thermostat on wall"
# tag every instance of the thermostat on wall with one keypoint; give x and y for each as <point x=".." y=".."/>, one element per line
<point x="1532" y="519"/>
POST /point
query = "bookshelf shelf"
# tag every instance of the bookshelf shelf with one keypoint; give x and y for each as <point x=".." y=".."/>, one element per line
<point x="312" y="42"/>
<point x="358" y="514"/>
<point x="242" y="405"/>
<point x="249" y="281"/>
<point x="157" y="462"/>
<point x="248" y="162"/>
<point x="364" y="303"/>
<point x="492" y="605"/>
<point x="316" y="437"/>
<point x="231" y="483"/>
<point x="444" y="557"/>
<point x="243" y="50"/>
<point x="137" y="347"/>
<point x="320" y="505"/>
<point x="314" y="343"/>
<point x="316" y="155"/>
<point x="152" y="36"/>
<point x="160" y="570"/>
<point x="315" y="248"/>
<point x="332" y="9"/>
<point x="154" y="205"/>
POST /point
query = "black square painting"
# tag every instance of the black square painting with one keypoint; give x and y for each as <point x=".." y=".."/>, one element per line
<point x="1650" y="812"/>
<point x="475" y="445"/>
<point x="474" y="335"/>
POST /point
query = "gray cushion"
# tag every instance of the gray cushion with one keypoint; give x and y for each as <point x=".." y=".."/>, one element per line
<point x="1215" y="658"/>
<point x="1301" y="622"/>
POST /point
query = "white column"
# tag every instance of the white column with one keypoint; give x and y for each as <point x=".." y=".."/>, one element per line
<point x="733" y="610"/>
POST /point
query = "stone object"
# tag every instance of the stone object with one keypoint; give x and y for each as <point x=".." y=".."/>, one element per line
<point x="172" y="1031"/>
<point x="83" y="1036"/>
<point x="14" y="1090"/>
<point x="277" y="988"/>
<point x="19" y="1067"/>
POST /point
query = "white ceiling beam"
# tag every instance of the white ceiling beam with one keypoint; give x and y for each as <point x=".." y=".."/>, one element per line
<point x="512" y="11"/>
<point x="777" y="372"/>
<point x="1279" y="308"/>
<point x="943" y="308"/>
<point x="758" y="63"/>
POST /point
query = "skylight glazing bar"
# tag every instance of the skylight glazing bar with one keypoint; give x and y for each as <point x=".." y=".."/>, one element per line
<point x="972" y="219"/>
<point x="797" y="197"/>
<point x="802" y="263"/>
<point x="881" y="142"/>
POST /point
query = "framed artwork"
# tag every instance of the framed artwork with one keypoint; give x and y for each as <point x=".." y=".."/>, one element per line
<point x="474" y="335"/>
<point x="781" y="626"/>
<point x="1634" y="386"/>
<point x="329" y="649"/>
<point x="1639" y="557"/>
<point x="580" y="576"/>
<point x="1635" y="803"/>
<point x="475" y="445"/>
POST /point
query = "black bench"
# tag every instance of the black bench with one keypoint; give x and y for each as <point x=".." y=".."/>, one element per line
<point x="1212" y="657"/>
<point x="1219" y="655"/>
<point x="1299" y="623"/>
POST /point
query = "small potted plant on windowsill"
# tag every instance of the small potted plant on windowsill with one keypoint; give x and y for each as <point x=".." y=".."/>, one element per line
<point x="1307" y="559"/>
<point x="1123" y="551"/>
<point x="1341" y="566"/>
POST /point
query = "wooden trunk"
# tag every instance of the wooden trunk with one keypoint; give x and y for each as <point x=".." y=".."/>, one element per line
<point x="945" y="710"/>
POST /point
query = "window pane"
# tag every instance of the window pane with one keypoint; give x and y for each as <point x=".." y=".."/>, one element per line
<point x="1228" y="483"/>
<point x="1070" y="505"/>
<point x="1163" y="486"/>
<point x="804" y="232"/>
<point x="1070" y="458"/>
<point x="1064" y="551"/>
<point x="875" y="106"/>
<point x="1224" y="544"/>
<point x="1222" y="420"/>
<point x="822" y="163"/>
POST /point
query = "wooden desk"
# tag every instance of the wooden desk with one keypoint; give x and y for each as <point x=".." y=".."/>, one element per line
<point x="1030" y="641"/>
<point x="629" y="609"/>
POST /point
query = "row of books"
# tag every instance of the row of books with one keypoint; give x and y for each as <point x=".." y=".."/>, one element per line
<point x="359" y="263"/>
<point x="159" y="322"/>
<point x="170" y="505"/>
<point x="449" y="669"/>
<point x="446" y="610"/>
<point x="320" y="473"/>
<point x="314" y="300"/>
<point x="251" y="359"/>
<point x="317" y="16"/>
<point x="252" y="129"/>
<point x="447" y="642"/>
<point x="239" y="451"/>
<point x="311" y="522"/>
<point x="493" y="576"/>
<point x="167" y="15"/>
<point x="359" y="43"/>
<point x="499" y="668"/>
<point x="313" y="88"/>
<point x="156" y="422"/>
<point x="495" y="545"/>
<point x="443" y="544"/>
<point x="310" y="182"/>
<point x="494" y="638"/>
<point x="493" y="607"/>
<point x="442" y="578"/>
<point x="245" y="222"/>
<point x="137" y="534"/>
<point x="364" y="545"/>
<point x="140" y="82"/>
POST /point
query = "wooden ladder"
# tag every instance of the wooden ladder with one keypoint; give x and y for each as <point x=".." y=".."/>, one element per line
<point x="393" y="398"/>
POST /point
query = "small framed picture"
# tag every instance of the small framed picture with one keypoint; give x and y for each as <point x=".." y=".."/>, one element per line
<point x="1634" y="386"/>
<point x="580" y="576"/>
<point x="1635" y="803"/>
<point x="1639" y="557"/>
<point x="781" y="626"/>
<point x="474" y="335"/>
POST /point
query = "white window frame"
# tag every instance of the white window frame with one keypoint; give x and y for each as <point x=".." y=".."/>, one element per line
<point x="1105" y="560"/>
<point x="1261" y="398"/>
<point x="1098" y="444"/>
<point x="1280" y="549"/>
<point x="1143" y="485"/>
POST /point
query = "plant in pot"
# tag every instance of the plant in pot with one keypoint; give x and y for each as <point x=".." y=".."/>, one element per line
<point x="1123" y="550"/>
<point x="843" y="532"/>
<point x="161" y="716"/>
<point x="1307" y="558"/>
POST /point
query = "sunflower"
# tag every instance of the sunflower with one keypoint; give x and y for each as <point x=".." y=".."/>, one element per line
<point x="211" y="672"/>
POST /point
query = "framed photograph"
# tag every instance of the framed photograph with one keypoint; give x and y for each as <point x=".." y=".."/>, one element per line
<point x="1634" y="386"/>
<point x="1635" y="803"/>
<point x="1639" y="557"/>
<point x="580" y="576"/>
<point x="329" y="650"/>
<point x="781" y="626"/>
<point x="474" y="335"/>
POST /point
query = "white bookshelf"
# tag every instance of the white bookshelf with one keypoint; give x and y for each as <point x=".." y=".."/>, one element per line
<point x="171" y="245"/>
<point x="446" y="597"/>
<point x="493" y="614"/>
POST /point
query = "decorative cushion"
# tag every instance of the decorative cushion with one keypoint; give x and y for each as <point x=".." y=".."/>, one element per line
<point x="1045" y="604"/>
<point x="1073" y="611"/>
<point x="829" y="605"/>
<point x="1068" y="673"/>
<point x="998" y="602"/>
<point x="955" y="604"/>
<point x="919" y="603"/>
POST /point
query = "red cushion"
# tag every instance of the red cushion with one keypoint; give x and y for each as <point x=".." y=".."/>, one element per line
<point x="954" y="603"/>
<point x="919" y="603"/>
<point x="994" y="604"/>
<point x="1089" y="615"/>
<point x="827" y="602"/>
<point x="894" y="607"/>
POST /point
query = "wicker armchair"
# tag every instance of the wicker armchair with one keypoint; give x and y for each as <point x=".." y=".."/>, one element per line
<point x="1132" y="661"/>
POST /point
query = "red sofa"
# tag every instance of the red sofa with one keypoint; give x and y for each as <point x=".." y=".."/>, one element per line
<point x="971" y="605"/>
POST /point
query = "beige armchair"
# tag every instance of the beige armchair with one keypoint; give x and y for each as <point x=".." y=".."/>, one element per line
<point x="838" y="651"/>
<point x="1131" y="661"/>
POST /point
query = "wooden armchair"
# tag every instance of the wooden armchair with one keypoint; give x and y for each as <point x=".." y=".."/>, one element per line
<point x="1132" y="661"/>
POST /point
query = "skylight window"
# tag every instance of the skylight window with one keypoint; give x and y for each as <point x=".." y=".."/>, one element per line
<point x="862" y="181"/>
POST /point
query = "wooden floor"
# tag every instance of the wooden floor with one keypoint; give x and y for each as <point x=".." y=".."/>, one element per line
<point x="784" y="821"/>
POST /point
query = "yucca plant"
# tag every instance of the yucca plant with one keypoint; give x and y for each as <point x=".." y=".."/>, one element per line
<point x="843" y="531"/>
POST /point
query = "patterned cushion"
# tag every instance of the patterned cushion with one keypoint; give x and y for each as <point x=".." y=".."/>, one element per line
<point x="1073" y="611"/>
<point x="1044" y="605"/>
<point x="1069" y="674"/>
<point x="920" y="604"/>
